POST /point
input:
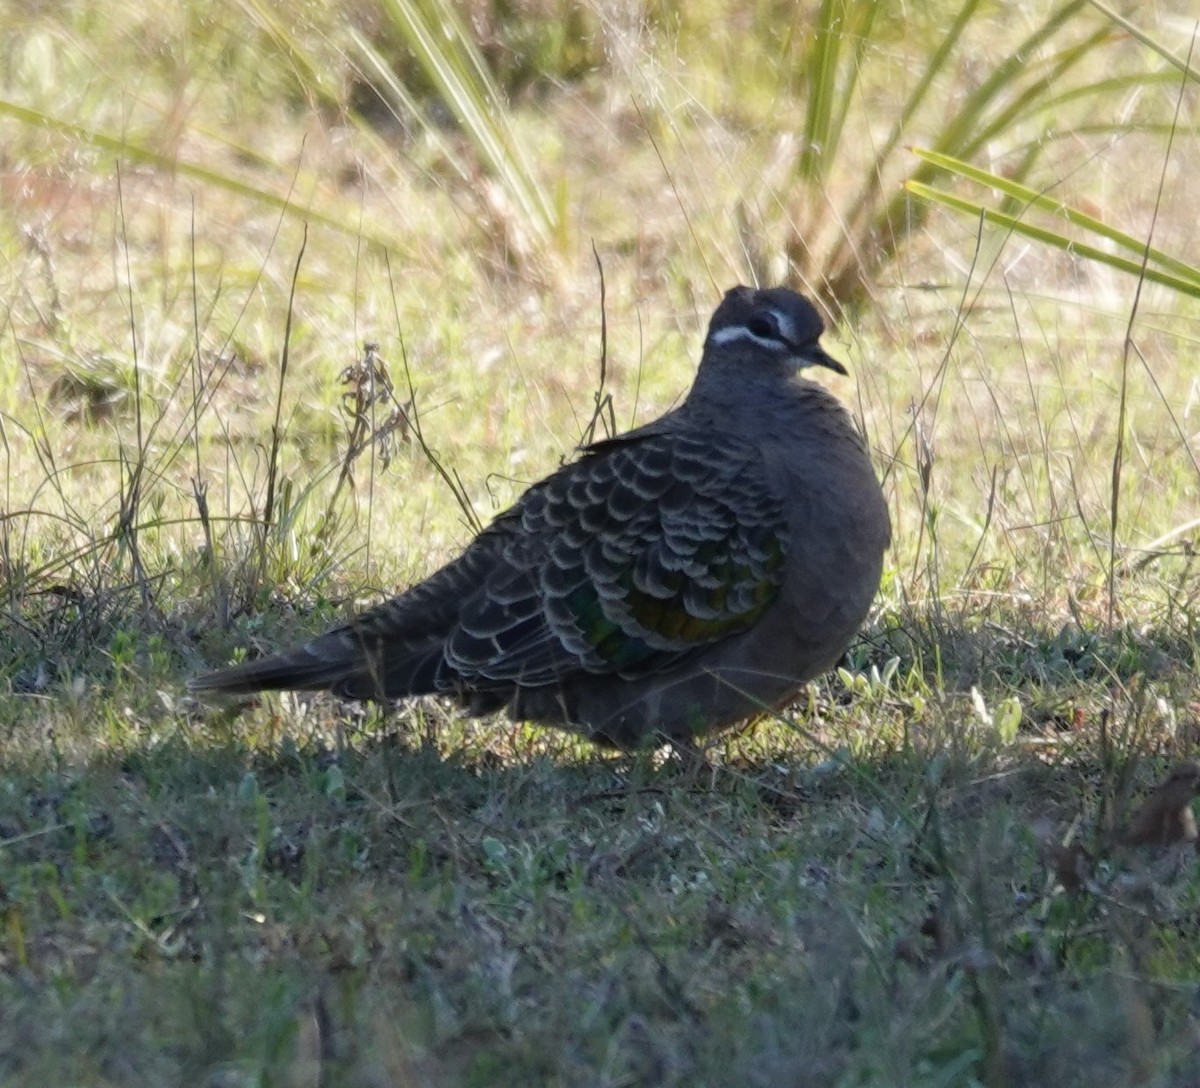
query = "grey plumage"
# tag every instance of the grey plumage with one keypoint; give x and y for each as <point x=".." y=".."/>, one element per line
<point x="670" y="582"/>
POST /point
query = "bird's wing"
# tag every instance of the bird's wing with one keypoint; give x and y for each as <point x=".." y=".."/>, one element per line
<point x="623" y="562"/>
<point x="649" y="547"/>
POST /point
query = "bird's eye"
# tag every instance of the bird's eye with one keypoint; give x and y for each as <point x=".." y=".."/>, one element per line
<point x="763" y="326"/>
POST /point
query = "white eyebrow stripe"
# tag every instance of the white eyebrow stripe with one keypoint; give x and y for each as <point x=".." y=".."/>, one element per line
<point x="740" y="332"/>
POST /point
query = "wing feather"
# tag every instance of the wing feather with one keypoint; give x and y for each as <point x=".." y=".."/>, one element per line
<point x="648" y="548"/>
<point x="625" y="562"/>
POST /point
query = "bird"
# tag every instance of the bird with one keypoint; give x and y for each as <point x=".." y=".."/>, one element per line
<point x="668" y="583"/>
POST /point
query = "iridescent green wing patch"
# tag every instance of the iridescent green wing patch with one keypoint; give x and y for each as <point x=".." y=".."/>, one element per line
<point x="627" y="561"/>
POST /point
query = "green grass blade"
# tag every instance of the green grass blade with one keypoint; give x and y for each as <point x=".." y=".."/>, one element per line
<point x="860" y="22"/>
<point x="822" y="69"/>
<point x="127" y="148"/>
<point x="441" y="45"/>
<point x="1189" y="285"/>
<point x="1031" y="100"/>
<point x="868" y="197"/>
<point x="309" y="70"/>
<point x="1023" y="194"/>
<point x="1014" y="91"/>
<point x="970" y="117"/>
<point x="1111" y="88"/>
<point x="934" y="67"/>
<point x="374" y="68"/>
<point x="1134" y="31"/>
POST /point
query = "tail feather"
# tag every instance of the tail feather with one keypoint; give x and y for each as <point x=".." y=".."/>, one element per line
<point x="292" y="670"/>
<point x="337" y="662"/>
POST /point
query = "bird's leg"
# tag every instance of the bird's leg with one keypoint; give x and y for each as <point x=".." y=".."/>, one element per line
<point x="693" y="761"/>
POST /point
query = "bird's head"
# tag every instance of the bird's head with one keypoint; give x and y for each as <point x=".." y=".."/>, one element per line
<point x="774" y="324"/>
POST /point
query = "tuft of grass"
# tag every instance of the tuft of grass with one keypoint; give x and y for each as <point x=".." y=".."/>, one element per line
<point x="1047" y="87"/>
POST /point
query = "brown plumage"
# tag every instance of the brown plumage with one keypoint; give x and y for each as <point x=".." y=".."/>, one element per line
<point x="671" y="581"/>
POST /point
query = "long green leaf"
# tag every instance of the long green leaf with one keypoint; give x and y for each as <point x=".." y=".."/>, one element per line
<point x="373" y="68"/>
<point x="868" y="196"/>
<point x="1028" y="197"/>
<point x="937" y="62"/>
<point x="969" y="118"/>
<point x="1134" y="31"/>
<point x="440" y="43"/>
<point x="1114" y="85"/>
<point x="822" y="71"/>
<point x="864" y="12"/>
<point x="1031" y="101"/>
<point x="1187" y="286"/>
<point x="125" y="147"/>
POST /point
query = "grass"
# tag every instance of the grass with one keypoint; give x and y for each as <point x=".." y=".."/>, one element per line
<point x="916" y="876"/>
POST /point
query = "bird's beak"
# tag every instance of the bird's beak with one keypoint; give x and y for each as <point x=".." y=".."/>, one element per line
<point x="818" y="356"/>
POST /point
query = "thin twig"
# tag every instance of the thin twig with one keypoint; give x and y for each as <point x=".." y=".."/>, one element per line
<point x="276" y="427"/>
<point x="199" y="485"/>
<point x="1128" y="347"/>
<point x="131" y="476"/>
<point x="602" y="402"/>
<point x="453" y="482"/>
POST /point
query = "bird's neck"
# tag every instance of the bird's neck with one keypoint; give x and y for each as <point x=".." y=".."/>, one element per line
<point x="762" y="404"/>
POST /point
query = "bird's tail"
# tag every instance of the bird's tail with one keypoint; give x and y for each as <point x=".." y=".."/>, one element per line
<point x="291" y="670"/>
<point x="343" y="661"/>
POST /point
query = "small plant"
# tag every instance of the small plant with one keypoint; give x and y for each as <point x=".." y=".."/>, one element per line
<point x="1041" y="90"/>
